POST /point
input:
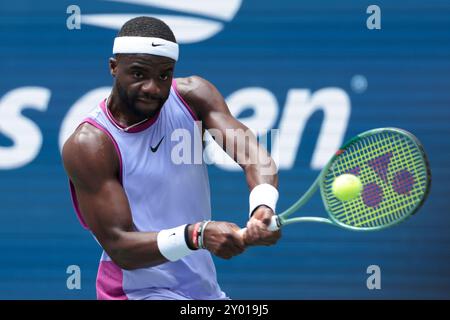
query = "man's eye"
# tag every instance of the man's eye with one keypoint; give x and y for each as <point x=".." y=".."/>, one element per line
<point x="138" y="75"/>
<point x="164" y="77"/>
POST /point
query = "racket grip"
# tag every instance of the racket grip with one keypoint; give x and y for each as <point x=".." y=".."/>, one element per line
<point x="274" y="223"/>
<point x="273" y="226"/>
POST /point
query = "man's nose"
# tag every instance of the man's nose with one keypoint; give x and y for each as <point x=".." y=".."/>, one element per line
<point x="150" y="87"/>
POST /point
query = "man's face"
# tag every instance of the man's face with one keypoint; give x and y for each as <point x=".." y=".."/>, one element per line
<point x="143" y="81"/>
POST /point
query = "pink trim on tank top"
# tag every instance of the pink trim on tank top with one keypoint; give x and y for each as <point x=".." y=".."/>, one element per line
<point x="109" y="284"/>
<point x="194" y="116"/>
<point x="73" y="196"/>
<point x="72" y="187"/>
<point x="138" y="128"/>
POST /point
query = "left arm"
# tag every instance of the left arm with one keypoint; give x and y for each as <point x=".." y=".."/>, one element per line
<point x="240" y="144"/>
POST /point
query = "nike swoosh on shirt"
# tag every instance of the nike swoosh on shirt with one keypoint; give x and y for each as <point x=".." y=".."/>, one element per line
<point x="154" y="149"/>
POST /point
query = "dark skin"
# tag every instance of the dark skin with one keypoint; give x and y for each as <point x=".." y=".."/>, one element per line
<point x="142" y="85"/>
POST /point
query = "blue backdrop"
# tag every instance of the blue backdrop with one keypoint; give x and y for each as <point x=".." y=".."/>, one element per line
<point x="284" y="50"/>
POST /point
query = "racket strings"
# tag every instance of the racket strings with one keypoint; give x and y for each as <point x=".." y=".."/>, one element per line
<point x="391" y="210"/>
<point x="396" y="206"/>
<point x="393" y="173"/>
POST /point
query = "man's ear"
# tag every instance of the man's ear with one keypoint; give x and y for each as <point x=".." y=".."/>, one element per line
<point x="113" y="66"/>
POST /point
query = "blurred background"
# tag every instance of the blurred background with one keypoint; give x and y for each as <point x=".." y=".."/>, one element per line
<point x="311" y="68"/>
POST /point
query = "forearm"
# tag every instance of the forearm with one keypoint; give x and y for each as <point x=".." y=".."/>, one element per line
<point x="256" y="175"/>
<point x="255" y="160"/>
<point x="134" y="250"/>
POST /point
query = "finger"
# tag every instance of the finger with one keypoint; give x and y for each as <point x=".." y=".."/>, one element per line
<point x="264" y="216"/>
<point x="223" y="252"/>
<point x="265" y="237"/>
<point x="255" y="225"/>
<point x="242" y="233"/>
<point x="254" y="230"/>
<point x="231" y="250"/>
<point x="238" y="243"/>
<point x="251" y="234"/>
<point x="234" y="226"/>
<point x="234" y="240"/>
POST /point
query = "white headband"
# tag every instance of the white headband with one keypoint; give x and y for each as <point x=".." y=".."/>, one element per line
<point x="156" y="46"/>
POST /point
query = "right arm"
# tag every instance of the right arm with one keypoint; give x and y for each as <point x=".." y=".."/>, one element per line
<point x="92" y="164"/>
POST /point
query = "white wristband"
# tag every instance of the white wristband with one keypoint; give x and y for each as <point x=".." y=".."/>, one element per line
<point x="263" y="194"/>
<point x="172" y="243"/>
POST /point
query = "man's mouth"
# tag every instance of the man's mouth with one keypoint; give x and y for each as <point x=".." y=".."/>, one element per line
<point x="148" y="101"/>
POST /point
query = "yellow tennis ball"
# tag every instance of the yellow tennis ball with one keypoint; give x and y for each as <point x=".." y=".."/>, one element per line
<point x="346" y="187"/>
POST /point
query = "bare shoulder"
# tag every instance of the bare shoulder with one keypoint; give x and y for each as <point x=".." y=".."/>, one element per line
<point x="200" y="94"/>
<point x="191" y="85"/>
<point x="89" y="154"/>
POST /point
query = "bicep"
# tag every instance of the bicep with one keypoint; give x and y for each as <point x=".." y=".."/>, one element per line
<point x="216" y="117"/>
<point x="92" y="166"/>
<point x="105" y="210"/>
<point x="238" y="141"/>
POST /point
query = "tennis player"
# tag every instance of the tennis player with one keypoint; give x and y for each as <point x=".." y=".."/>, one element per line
<point x="150" y="214"/>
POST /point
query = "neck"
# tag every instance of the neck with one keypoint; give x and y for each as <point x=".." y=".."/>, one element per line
<point x="121" y="114"/>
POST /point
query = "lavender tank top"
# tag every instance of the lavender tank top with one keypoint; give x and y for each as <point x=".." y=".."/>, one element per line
<point x="161" y="194"/>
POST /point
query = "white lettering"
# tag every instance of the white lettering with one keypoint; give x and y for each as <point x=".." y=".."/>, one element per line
<point x="25" y="134"/>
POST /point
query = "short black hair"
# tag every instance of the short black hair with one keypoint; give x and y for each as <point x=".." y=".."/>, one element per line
<point x="147" y="27"/>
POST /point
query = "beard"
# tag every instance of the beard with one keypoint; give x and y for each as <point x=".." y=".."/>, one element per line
<point x="128" y="100"/>
<point x="131" y="100"/>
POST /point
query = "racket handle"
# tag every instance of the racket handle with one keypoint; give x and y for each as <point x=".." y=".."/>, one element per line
<point x="273" y="226"/>
<point x="274" y="223"/>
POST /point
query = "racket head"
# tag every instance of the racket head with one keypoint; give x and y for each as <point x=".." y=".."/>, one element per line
<point x="394" y="171"/>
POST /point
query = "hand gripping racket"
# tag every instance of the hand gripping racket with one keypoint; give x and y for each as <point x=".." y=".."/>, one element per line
<point x="395" y="175"/>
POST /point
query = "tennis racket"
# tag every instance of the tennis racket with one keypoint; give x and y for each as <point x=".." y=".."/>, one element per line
<point x="395" y="175"/>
